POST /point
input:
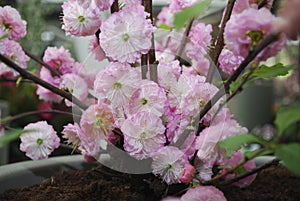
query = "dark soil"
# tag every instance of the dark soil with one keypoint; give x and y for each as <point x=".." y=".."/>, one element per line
<point x="101" y="183"/>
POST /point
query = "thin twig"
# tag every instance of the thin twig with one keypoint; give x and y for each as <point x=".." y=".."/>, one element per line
<point x="225" y="88"/>
<point x="184" y="40"/>
<point x="41" y="82"/>
<point x="274" y="162"/>
<point x="30" y="113"/>
<point x="114" y="7"/>
<point x="215" y="53"/>
<point x="144" y="65"/>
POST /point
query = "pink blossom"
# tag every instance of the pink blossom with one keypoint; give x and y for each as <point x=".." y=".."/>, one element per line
<point x="203" y="193"/>
<point x="143" y="134"/>
<point x="123" y="40"/>
<point x="12" y="50"/>
<point x="117" y="82"/>
<point x="247" y="29"/>
<point x="101" y="5"/>
<point x="229" y="62"/>
<point x="178" y="5"/>
<point x="249" y="165"/>
<point x="75" y="85"/>
<point x="39" y="140"/>
<point x="71" y="133"/>
<point x="187" y="174"/>
<point x="59" y="58"/>
<point x="12" y="23"/>
<point x="97" y="120"/>
<point x="207" y="142"/>
<point x="45" y="94"/>
<point x="200" y="38"/>
<point x="80" y="19"/>
<point x="149" y="97"/>
<point x="96" y="49"/>
<point x="165" y="17"/>
<point x="171" y="70"/>
<point x="200" y="66"/>
<point x="169" y="163"/>
<point x="87" y="72"/>
<point x="113" y="138"/>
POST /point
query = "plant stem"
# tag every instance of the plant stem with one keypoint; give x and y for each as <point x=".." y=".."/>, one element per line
<point x="225" y="88"/>
<point x="151" y="54"/>
<point x="26" y="114"/>
<point x="114" y="7"/>
<point x="215" y="53"/>
<point x="274" y="162"/>
<point x="35" y="58"/>
<point x="184" y="40"/>
<point x="242" y="162"/>
<point x="41" y="82"/>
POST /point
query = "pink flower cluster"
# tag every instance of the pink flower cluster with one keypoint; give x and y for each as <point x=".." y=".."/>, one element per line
<point x="12" y="28"/>
<point x="147" y="119"/>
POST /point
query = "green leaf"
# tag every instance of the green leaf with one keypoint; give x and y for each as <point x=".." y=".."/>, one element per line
<point x="189" y="13"/>
<point x="165" y="27"/>
<point x="4" y="37"/>
<point x="10" y="136"/>
<point x="287" y="116"/>
<point x="233" y="143"/>
<point x="233" y="86"/>
<point x="266" y="72"/>
<point x="289" y="154"/>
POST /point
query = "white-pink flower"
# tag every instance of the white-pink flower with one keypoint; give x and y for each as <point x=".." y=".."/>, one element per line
<point x="178" y="5"/>
<point x="203" y="193"/>
<point x="80" y="19"/>
<point x="97" y="120"/>
<point x="12" y="23"/>
<point x="149" y="97"/>
<point x="101" y="5"/>
<point x="126" y="34"/>
<point x="143" y="134"/>
<point x="96" y="49"/>
<point x="12" y="50"/>
<point x="59" y="58"/>
<point x="165" y="17"/>
<point x="207" y="142"/>
<point x="168" y="163"/>
<point x="71" y="134"/>
<point x="229" y="62"/>
<point x="45" y="94"/>
<point x="247" y="29"/>
<point x="200" y="38"/>
<point x="76" y="85"/>
<point x="117" y="82"/>
<point x="39" y="140"/>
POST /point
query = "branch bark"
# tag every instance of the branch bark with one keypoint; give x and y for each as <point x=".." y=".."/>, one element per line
<point x="41" y="82"/>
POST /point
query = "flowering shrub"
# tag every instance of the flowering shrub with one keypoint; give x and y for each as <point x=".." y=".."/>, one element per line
<point x="156" y="99"/>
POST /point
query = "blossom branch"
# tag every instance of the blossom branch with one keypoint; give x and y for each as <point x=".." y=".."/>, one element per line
<point x="41" y="82"/>
<point x="151" y="54"/>
<point x="225" y="88"/>
<point x="274" y="162"/>
<point x="184" y="40"/>
<point x="7" y="121"/>
<point x="215" y="53"/>
<point x="35" y="58"/>
<point x="242" y="162"/>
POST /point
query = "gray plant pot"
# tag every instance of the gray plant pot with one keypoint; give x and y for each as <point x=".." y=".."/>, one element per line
<point x="29" y="173"/>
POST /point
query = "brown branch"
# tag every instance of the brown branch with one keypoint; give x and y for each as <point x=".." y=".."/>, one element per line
<point x="235" y="167"/>
<point x="225" y="88"/>
<point x="53" y="70"/>
<point x="144" y="65"/>
<point x="274" y="162"/>
<point x="215" y="53"/>
<point x="151" y="54"/>
<point x="41" y="82"/>
<point x="114" y="7"/>
<point x="184" y="40"/>
<point x="26" y="114"/>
